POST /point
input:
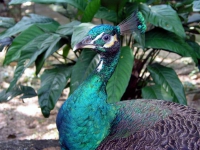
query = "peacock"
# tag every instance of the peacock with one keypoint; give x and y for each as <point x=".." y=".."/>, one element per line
<point x="86" y="121"/>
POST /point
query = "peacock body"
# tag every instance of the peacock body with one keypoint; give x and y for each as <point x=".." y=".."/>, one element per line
<point x="86" y="121"/>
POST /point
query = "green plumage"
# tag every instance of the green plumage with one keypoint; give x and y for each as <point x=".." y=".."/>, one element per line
<point x="86" y="110"/>
<point x="87" y="122"/>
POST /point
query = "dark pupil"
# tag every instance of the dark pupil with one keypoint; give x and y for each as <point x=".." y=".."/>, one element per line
<point x="106" y="37"/>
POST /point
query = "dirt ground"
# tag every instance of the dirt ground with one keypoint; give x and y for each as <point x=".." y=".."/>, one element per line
<point x="23" y="120"/>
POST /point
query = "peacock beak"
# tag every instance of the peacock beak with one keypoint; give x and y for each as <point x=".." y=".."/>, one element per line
<point x="81" y="46"/>
<point x="85" y="43"/>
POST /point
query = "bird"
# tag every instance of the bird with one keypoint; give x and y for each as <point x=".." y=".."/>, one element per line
<point x="86" y="121"/>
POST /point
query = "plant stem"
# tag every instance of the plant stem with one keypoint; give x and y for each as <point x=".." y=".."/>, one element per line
<point x="57" y="59"/>
<point x="65" y="58"/>
<point x="164" y="57"/>
<point x="173" y="61"/>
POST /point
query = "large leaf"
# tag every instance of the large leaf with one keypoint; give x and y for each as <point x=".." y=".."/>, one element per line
<point x="53" y="81"/>
<point x="45" y="23"/>
<point x="156" y="92"/>
<point x="162" y="39"/>
<point x="168" y="79"/>
<point x="118" y="82"/>
<point x="28" y="55"/>
<point x="115" y="5"/>
<point x="26" y="91"/>
<point x="163" y="16"/>
<point x="85" y="64"/>
<point x="196" y="5"/>
<point x="80" y="32"/>
<point x="196" y="47"/>
<point x="6" y="22"/>
<point x="104" y="13"/>
<point x="51" y="44"/>
<point x="67" y="29"/>
<point x="21" y="42"/>
<point x="90" y="10"/>
<point x="80" y="4"/>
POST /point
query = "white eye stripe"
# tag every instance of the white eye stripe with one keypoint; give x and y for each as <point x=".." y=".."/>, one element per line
<point x="98" y="37"/>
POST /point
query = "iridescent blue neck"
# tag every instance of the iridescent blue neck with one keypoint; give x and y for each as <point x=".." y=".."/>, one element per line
<point x="107" y="65"/>
<point x="88" y="116"/>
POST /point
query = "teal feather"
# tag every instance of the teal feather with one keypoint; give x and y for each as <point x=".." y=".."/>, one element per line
<point x="134" y="23"/>
<point x="86" y="121"/>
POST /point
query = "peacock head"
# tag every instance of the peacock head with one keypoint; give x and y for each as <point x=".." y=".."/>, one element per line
<point x="106" y="38"/>
<point x="102" y="38"/>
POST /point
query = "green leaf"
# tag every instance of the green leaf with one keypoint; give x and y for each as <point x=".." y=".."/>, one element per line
<point x="53" y="81"/>
<point x="119" y="81"/>
<point x="163" y="16"/>
<point x="80" y="32"/>
<point x="66" y="50"/>
<point x="55" y="45"/>
<point x="90" y="10"/>
<point x="168" y="79"/>
<point x="195" y="46"/>
<point x="115" y="5"/>
<point x="196" y="5"/>
<point x="104" y="13"/>
<point x="6" y="22"/>
<point x="45" y="23"/>
<point x="80" y="4"/>
<point x="39" y="62"/>
<point x="67" y="29"/>
<point x="21" y="42"/>
<point x="156" y="92"/>
<point x="51" y="44"/>
<point x="85" y="64"/>
<point x="162" y="39"/>
<point x="28" y="55"/>
<point x="26" y="91"/>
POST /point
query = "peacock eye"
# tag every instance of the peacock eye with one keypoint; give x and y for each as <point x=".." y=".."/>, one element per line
<point x="106" y="37"/>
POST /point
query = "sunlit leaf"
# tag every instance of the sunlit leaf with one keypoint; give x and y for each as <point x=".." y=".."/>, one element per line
<point x="168" y="79"/>
<point x="196" y="5"/>
<point x="6" y="22"/>
<point x="67" y="29"/>
<point x="28" y="55"/>
<point x="162" y="39"/>
<point x="163" y="16"/>
<point x="21" y="42"/>
<point x="45" y="23"/>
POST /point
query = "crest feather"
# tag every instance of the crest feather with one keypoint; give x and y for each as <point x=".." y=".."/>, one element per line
<point x="134" y="23"/>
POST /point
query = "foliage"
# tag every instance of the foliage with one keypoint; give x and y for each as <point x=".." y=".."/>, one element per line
<point x="35" y="39"/>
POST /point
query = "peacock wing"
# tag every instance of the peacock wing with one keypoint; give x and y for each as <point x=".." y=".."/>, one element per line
<point x="154" y="124"/>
